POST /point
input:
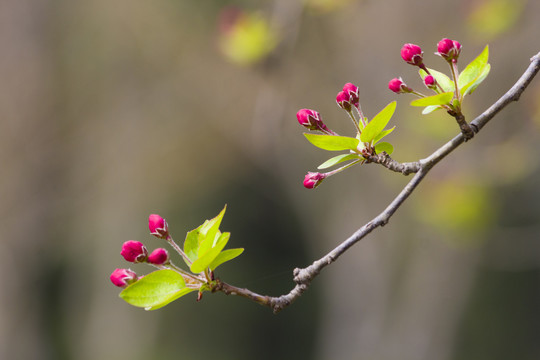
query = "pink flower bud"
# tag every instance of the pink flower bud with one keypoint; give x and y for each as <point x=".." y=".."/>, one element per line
<point x="158" y="257"/>
<point x="412" y="54"/>
<point x="448" y="49"/>
<point x="312" y="180"/>
<point x="398" y="86"/>
<point x="309" y="118"/>
<point x="430" y="82"/>
<point x="123" y="277"/>
<point x="343" y="100"/>
<point x="134" y="251"/>
<point x="354" y="93"/>
<point x="158" y="226"/>
<point x="348" y="97"/>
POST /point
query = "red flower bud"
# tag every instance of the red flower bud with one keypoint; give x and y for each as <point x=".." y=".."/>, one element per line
<point x="412" y="54"/>
<point x="123" y="277"/>
<point x="398" y="86"/>
<point x="158" y="226"/>
<point x="354" y="93"/>
<point x="134" y="251"/>
<point x="312" y="180"/>
<point x="430" y="82"/>
<point x="158" y="257"/>
<point x="448" y="49"/>
<point x="309" y="119"/>
<point x="343" y="100"/>
<point x="348" y="97"/>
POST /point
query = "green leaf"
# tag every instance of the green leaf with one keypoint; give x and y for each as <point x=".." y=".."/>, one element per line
<point x="429" y="109"/>
<point x="378" y="123"/>
<point x="475" y="68"/>
<point x="225" y="256"/>
<point x="384" y="146"/>
<point x="382" y="134"/>
<point x="206" y="259"/>
<point x="439" y="99"/>
<point x="191" y="244"/>
<point x="156" y="290"/>
<point x="332" y="142"/>
<point x="444" y="81"/>
<point x="478" y="81"/>
<point x="338" y="159"/>
<point x="210" y="230"/>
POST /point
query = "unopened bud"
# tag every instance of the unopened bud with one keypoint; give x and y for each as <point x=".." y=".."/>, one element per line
<point x="123" y="277"/>
<point x="343" y="100"/>
<point x="311" y="120"/>
<point x="448" y="49"/>
<point x="412" y="54"/>
<point x="353" y="92"/>
<point x="158" y="257"/>
<point x="312" y="180"/>
<point x="430" y="82"/>
<point x="134" y="251"/>
<point x="398" y="86"/>
<point x="158" y="226"/>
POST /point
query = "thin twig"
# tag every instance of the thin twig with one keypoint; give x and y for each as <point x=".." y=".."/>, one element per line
<point x="303" y="277"/>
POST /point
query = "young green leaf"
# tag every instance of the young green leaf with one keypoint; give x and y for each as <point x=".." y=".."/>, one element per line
<point x="156" y="290"/>
<point x="205" y="259"/>
<point x="332" y="142"/>
<point x="382" y="134"/>
<point x="378" y="123"/>
<point x="338" y="159"/>
<point x="439" y="99"/>
<point x="429" y="109"/>
<point x="384" y="146"/>
<point x="191" y="244"/>
<point x="444" y="81"/>
<point x="210" y="228"/>
<point x="469" y="88"/>
<point x="475" y="68"/>
<point x="224" y="256"/>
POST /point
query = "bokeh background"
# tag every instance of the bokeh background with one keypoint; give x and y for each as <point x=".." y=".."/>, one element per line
<point x="112" y="110"/>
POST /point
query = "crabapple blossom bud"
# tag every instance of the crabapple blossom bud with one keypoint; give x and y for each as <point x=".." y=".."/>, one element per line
<point x="158" y="226"/>
<point x="343" y="100"/>
<point x="312" y="180"/>
<point x="448" y="49"/>
<point x="398" y="86"/>
<point x="412" y="54"/>
<point x="354" y="93"/>
<point x="123" y="277"/>
<point x="134" y="251"/>
<point x="430" y="82"/>
<point x="158" y="257"/>
<point x="311" y="120"/>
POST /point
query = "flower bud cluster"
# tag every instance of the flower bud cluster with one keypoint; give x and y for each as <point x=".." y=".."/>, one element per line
<point x="413" y="54"/>
<point x="347" y="99"/>
<point x="135" y="252"/>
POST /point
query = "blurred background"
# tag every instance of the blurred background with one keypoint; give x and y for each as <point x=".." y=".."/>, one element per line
<point x="110" y="111"/>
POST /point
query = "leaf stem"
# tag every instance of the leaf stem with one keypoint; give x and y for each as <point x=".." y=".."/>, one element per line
<point x="455" y="72"/>
<point x="175" y="246"/>
<point x="361" y="115"/>
<point x="344" y="167"/>
<point x="355" y="123"/>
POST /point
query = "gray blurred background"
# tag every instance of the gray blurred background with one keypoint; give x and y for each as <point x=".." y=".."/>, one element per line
<point x="112" y="110"/>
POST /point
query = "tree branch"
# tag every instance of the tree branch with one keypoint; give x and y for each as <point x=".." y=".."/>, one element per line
<point x="303" y="277"/>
